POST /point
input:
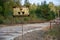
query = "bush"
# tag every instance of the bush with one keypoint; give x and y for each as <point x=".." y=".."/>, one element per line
<point x="1" y="19"/>
<point x="26" y="19"/>
<point x="0" y="9"/>
<point x="6" y="21"/>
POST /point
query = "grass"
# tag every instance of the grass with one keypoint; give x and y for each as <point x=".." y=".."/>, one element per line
<point x="55" y="31"/>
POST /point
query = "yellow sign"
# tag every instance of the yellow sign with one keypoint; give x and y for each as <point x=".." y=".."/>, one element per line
<point x="23" y="11"/>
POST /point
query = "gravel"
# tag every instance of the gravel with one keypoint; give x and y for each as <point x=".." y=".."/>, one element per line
<point x="35" y="35"/>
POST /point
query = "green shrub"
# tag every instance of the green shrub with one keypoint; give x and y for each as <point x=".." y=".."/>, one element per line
<point x="0" y="9"/>
<point x="1" y="19"/>
<point x="6" y="21"/>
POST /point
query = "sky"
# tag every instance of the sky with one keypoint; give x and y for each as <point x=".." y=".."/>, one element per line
<point x="56" y="2"/>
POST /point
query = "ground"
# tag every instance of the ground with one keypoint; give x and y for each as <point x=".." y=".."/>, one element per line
<point x="35" y="35"/>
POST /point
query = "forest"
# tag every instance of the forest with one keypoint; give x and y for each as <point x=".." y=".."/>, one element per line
<point x="38" y="13"/>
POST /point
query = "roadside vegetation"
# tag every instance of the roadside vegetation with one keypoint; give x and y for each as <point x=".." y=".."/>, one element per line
<point x="43" y="12"/>
<point x="55" y="32"/>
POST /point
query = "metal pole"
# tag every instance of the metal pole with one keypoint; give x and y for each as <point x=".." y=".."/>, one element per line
<point x="22" y="28"/>
<point x="50" y="25"/>
<point x="22" y="31"/>
<point x="58" y="13"/>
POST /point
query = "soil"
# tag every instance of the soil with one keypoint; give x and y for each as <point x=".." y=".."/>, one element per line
<point x="36" y="35"/>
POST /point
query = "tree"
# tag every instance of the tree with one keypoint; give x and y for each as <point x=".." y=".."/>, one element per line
<point x="2" y="2"/>
<point x="26" y="3"/>
<point x="43" y="11"/>
<point x="32" y="12"/>
<point x="52" y="7"/>
<point x="18" y="2"/>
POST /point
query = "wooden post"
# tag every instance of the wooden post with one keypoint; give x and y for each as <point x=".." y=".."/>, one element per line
<point x="50" y="25"/>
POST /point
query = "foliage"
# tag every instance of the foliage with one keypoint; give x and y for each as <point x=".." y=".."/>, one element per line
<point x="0" y="8"/>
<point x="1" y="19"/>
<point x="37" y="12"/>
<point x="43" y="11"/>
<point x="26" y="3"/>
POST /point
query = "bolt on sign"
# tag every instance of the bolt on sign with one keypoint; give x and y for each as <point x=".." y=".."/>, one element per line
<point x="20" y="11"/>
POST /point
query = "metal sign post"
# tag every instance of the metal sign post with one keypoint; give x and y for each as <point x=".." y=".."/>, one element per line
<point x="21" y="12"/>
<point x="22" y="23"/>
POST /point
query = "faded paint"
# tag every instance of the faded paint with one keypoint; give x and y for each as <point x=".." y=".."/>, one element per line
<point x="17" y="11"/>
